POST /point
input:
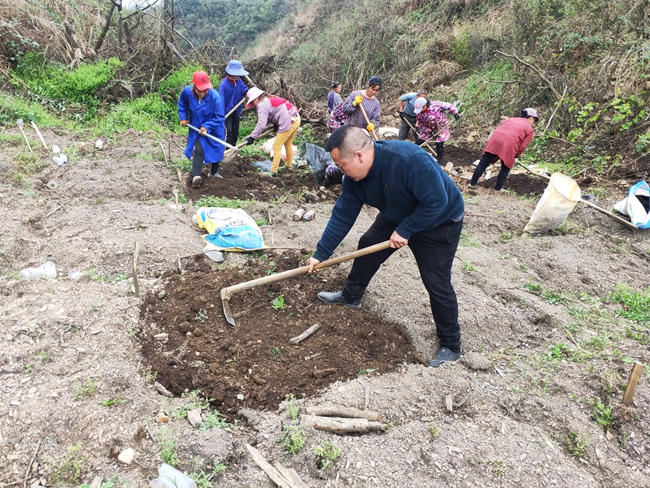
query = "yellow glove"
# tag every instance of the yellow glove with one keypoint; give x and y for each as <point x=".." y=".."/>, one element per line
<point x="357" y="101"/>
<point x="184" y="122"/>
<point x="203" y="131"/>
<point x="370" y="127"/>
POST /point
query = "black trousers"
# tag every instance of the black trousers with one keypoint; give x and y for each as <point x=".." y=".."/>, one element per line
<point x="232" y="129"/>
<point x="434" y="252"/>
<point x="404" y="128"/>
<point x="440" y="149"/>
<point x="486" y="160"/>
<point x="197" y="161"/>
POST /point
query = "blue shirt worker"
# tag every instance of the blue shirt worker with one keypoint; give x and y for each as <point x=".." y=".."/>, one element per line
<point x="407" y="113"/>
<point x="202" y="106"/>
<point x="233" y="91"/>
<point x="419" y="206"/>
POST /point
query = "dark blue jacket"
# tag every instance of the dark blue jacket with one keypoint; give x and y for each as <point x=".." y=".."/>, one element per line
<point x="232" y="94"/>
<point x="408" y="187"/>
<point x="209" y="114"/>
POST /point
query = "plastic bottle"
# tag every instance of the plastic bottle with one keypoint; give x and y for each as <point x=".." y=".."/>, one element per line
<point x="49" y="270"/>
<point x="34" y="273"/>
<point x="169" y="477"/>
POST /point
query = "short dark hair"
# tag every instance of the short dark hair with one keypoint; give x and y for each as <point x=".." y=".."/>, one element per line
<point x="348" y="139"/>
<point x="335" y="84"/>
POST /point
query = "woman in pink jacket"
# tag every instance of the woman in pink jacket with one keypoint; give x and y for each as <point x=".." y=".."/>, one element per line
<point x="507" y="143"/>
<point x="432" y="121"/>
<point x="280" y="113"/>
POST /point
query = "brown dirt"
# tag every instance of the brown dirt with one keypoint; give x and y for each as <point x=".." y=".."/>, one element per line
<point x="552" y="352"/>
<point x="255" y="359"/>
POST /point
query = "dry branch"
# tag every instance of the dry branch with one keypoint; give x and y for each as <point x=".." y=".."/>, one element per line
<point x="340" y="411"/>
<point x="299" y="338"/>
<point x="341" y="425"/>
<point x="535" y="69"/>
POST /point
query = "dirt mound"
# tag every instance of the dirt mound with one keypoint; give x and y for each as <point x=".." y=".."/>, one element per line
<point x="253" y="365"/>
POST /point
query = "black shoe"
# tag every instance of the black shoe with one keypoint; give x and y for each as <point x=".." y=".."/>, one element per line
<point x="444" y="356"/>
<point x="337" y="297"/>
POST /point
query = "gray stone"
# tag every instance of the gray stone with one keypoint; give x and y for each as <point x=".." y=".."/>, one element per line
<point x="474" y="360"/>
<point x="126" y="456"/>
<point x="194" y="417"/>
<point x="210" y="446"/>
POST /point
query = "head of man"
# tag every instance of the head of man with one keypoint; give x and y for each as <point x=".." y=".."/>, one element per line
<point x="352" y="151"/>
<point x="422" y="93"/>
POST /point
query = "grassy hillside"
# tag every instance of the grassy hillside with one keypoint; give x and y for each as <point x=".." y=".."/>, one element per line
<point x="583" y="64"/>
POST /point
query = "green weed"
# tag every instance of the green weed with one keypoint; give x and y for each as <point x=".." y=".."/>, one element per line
<point x="278" y="303"/>
<point x="85" y="389"/>
<point x="213" y="201"/>
<point x="576" y="444"/>
<point x="467" y="241"/>
<point x="113" y="402"/>
<point x="467" y="266"/>
<point x="601" y="413"/>
<point x="293" y="406"/>
<point x="635" y="305"/>
<point x="168" y="447"/>
<point x="326" y="454"/>
<point x="69" y="469"/>
<point x="294" y="438"/>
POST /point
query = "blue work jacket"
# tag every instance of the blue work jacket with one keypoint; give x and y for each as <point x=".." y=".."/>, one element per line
<point x="207" y="113"/>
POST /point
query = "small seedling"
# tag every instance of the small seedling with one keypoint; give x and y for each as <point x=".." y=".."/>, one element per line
<point x="467" y="266"/>
<point x="276" y="351"/>
<point x="294" y="439"/>
<point x="435" y="431"/>
<point x="367" y="370"/>
<point x="278" y="303"/>
<point x="149" y="375"/>
<point x="86" y="389"/>
<point x="28" y="368"/>
<point x="326" y="453"/>
<point x="45" y="356"/>
<point x="113" y="402"/>
<point x="293" y="407"/>
<point x="201" y="316"/>
<point x="69" y="469"/>
<point x="577" y="444"/>
<point x="213" y="420"/>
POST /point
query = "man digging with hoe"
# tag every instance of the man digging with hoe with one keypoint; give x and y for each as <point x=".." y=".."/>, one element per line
<point x="419" y="206"/>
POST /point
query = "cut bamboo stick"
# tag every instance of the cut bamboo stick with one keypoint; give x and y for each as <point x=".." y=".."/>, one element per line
<point x="339" y="425"/>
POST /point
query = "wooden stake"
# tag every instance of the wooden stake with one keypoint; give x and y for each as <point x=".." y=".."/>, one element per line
<point x="340" y="425"/>
<point x="340" y="411"/>
<point x="637" y="369"/>
<point x="163" y="151"/>
<point x="136" y="286"/>
<point x="290" y="475"/>
<point x="299" y="338"/>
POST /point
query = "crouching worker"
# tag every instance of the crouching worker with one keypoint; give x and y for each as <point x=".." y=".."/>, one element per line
<point x="507" y="143"/>
<point x="423" y="211"/>
<point x="432" y="122"/>
<point x="282" y="114"/>
<point x="201" y="106"/>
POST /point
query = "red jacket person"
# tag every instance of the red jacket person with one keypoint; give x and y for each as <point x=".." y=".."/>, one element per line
<point x="507" y="142"/>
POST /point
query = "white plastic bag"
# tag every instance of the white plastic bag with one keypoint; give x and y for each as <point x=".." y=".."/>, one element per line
<point x="267" y="147"/>
<point x="558" y="201"/>
<point x="632" y="206"/>
<point x="169" y="477"/>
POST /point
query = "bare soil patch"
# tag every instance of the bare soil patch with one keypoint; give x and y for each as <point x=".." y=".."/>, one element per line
<point x="253" y="365"/>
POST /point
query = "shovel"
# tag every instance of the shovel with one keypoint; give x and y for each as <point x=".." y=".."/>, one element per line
<point x="231" y="153"/>
<point x="592" y="205"/>
<point x="234" y="108"/>
<point x="232" y="150"/>
<point x="226" y="293"/>
<point x="416" y="135"/>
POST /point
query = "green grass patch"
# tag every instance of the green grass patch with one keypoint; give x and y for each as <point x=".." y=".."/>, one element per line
<point x="635" y="305"/>
<point x="222" y="202"/>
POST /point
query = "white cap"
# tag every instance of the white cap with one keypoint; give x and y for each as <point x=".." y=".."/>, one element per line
<point x="419" y="104"/>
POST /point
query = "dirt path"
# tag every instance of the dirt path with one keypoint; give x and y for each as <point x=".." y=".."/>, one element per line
<point x="536" y="400"/>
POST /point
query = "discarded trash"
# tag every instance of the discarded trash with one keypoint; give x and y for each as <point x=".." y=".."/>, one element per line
<point x="298" y="215"/>
<point x="46" y="270"/>
<point x="52" y="185"/>
<point x="60" y="159"/>
<point x="636" y="205"/>
<point x="309" y="215"/>
<point x="169" y="477"/>
<point x="263" y="165"/>
<point x="213" y="254"/>
<point x="56" y="149"/>
<point x="99" y="144"/>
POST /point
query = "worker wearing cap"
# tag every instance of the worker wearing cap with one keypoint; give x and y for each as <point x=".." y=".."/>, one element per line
<point x="432" y="122"/>
<point x="507" y="143"/>
<point x="419" y="207"/>
<point x="283" y="115"/>
<point x="407" y="113"/>
<point x="202" y="106"/>
<point x="233" y="90"/>
<point x="367" y="98"/>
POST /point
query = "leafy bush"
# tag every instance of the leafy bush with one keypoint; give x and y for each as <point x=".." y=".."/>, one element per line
<point x="13" y="108"/>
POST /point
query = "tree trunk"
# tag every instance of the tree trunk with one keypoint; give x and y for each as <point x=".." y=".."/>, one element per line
<point x="107" y="24"/>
